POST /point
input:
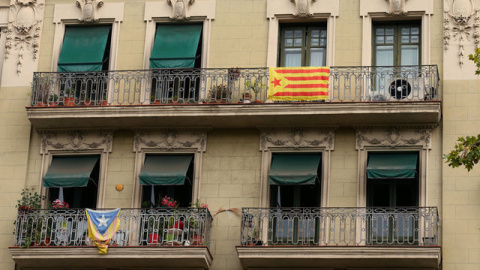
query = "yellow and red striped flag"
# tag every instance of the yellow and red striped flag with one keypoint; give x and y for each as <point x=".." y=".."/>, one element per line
<point x="298" y="83"/>
<point x="102" y="226"/>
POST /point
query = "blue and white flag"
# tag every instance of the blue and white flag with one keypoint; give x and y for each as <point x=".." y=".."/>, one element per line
<point x="102" y="226"/>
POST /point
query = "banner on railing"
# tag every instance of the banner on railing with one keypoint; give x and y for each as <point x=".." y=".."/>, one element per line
<point x="102" y="226"/>
<point x="298" y="83"/>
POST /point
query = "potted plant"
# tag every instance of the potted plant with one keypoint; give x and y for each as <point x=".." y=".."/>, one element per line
<point x="69" y="97"/>
<point x="28" y="202"/>
<point x="219" y="93"/>
<point x="87" y="102"/>
<point x="256" y="87"/>
<point x="52" y="100"/>
<point x="195" y="226"/>
<point x="154" y="100"/>
<point x="233" y="73"/>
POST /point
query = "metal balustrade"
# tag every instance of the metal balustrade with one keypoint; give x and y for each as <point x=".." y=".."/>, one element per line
<point x="411" y="226"/>
<point x="225" y="85"/>
<point x="138" y="227"/>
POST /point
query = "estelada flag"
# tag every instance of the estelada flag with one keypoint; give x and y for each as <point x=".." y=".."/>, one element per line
<point x="102" y="226"/>
<point x="298" y="83"/>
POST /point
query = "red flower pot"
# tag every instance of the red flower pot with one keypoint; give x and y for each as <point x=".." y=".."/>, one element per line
<point x="178" y="225"/>
<point x="153" y="238"/>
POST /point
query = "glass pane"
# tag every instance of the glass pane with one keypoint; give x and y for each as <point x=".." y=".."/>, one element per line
<point x="289" y="42"/>
<point x="409" y="55"/>
<point x="323" y="42"/>
<point x="298" y="42"/>
<point x="323" y="33"/>
<point x="314" y="42"/>
<point x="389" y="31"/>
<point x="289" y="34"/>
<point x="414" y="39"/>
<point x="317" y="57"/>
<point x="298" y="33"/>
<point x="293" y="57"/>
<point x="389" y="39"/>
<point x="415" y="30"/>
<point x="405" y="31"/>
<point x="380" y="39"/>
<point x="384" y="56"/>
<point x="405" y="39"/>
<point x="380" y="31"/>
<point x="315" y="33"/>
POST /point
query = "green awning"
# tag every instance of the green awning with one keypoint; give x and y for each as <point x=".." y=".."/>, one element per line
<point x="83" y="49"/>
<point x="70" y="171"/>
<point x="175" y="46"/>
<point x="294" y="169"/>
<point x="165" y="170"/>
<point x="392" y="165"/>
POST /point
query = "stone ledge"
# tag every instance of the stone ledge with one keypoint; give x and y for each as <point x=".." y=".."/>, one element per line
<point x="239" y="115"/>
<point x="339" y="257"/>
<point x="117" y="257"/>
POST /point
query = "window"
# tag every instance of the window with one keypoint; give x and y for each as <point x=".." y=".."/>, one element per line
<point x="167" y="175"/>
<point x="294" y="182"/>
<point x="396" y="44"/>
<point x="85" y="50"/>
<point x="176" y="46"/>
<point x="393" y="192"/>
<point x="73" y="179"/>
<point x="303" y="46"/>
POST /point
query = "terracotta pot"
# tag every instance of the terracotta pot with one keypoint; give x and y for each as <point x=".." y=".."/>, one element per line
<point x="69" y="101"/>
<point x="41" y="104"/>
<point x="197" y="240"/>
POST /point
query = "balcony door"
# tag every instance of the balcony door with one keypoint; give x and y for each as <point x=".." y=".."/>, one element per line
<point x="294" y="195"/>
<point x="392" y="198"/>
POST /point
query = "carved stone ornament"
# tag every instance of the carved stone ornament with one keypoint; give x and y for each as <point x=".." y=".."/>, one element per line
<point x="297" y="138"/>
<point x="302" y="7"/>
<point x="170" y="139"/>
<point x="397" y="7"/>
<point x="462" y="22"/>
<point x="24" y="27"/>
<point x="89" y="9"/>
<point x="179" y="8"/>
<point x="76" y="140"/>
<point x="393" y="137"/>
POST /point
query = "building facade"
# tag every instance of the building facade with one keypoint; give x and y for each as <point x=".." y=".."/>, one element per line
<point x="119" y="104"/>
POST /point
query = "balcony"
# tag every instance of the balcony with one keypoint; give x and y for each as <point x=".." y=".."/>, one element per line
<point x="176" y="238"/>
<point x="231" y="98"/>
<point x="340" y="237"/>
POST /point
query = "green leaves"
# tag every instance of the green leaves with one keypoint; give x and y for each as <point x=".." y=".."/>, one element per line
<point x="466" y="152"/>
<point x="476" y="59"/>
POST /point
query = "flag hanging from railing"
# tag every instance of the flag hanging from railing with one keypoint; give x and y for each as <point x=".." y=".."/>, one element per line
<point x="298" y="83"/>
<point x="102" y="226"/>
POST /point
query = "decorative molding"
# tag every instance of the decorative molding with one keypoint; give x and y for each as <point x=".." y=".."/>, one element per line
<point x="397" y="7"/>
<point x="89" y="9"/>
<point x="302" y="8"/>
<point x="463" y="26"/>
<point x="24" y="27"/>
<point x="76" y="140"/>
<point x="297" y="138"/>
<point x="393" y="137"/>
<point x="179" y="9"/>
<point x="170" y="139"/>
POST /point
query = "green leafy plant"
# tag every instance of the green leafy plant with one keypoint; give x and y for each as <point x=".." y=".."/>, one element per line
<point x="475" y="57"/>
<point x="465" y="153"/>
<point x="30" y="200"/>
<point x="219" y="92"/>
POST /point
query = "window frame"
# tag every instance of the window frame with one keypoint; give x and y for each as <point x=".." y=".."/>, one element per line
<point x="306" y="42"/>
<point x="397" y="43"/>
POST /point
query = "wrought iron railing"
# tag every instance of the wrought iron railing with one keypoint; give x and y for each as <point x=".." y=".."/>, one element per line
<point x="340" y="226"/>
<point x="225" y="85"/>
<point x="138" y="227"/>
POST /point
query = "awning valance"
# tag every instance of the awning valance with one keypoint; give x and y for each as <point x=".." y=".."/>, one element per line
<point x="165" y="170"/>
<point x="175" y="46"/>
<point x="392" y="165"/>
<point x="83" y="49"/>
<point x="69" y="171"/>
<point x="294" y="169"/>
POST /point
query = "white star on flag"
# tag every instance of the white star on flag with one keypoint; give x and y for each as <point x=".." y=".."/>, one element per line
<point x="103" y="221"/>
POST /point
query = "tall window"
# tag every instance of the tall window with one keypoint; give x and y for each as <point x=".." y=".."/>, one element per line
<point x="396" y="44"/>
<point x="167" y="175"/>
<point x="303" y="46"/>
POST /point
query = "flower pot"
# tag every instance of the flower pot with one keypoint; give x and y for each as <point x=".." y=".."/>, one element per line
<point x="197" y="240"/>
<point x="87" y="103"/>
<point x="153" y="238"/>
<point x="41" y="104"/>
<point x="104" y="103"/>
<point x="178" y="225"/>
<point x="69" y="101"/>
<point x="46" y="242"/>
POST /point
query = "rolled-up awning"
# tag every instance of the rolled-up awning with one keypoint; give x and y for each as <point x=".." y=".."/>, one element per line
<point x="165" y="170"/>
<point x="294" y="169"/>
<point x="392" y="165"/>
<point x="70" y="171"/>
<point x="175" y="46"/>
<point x="83" y="49"/>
